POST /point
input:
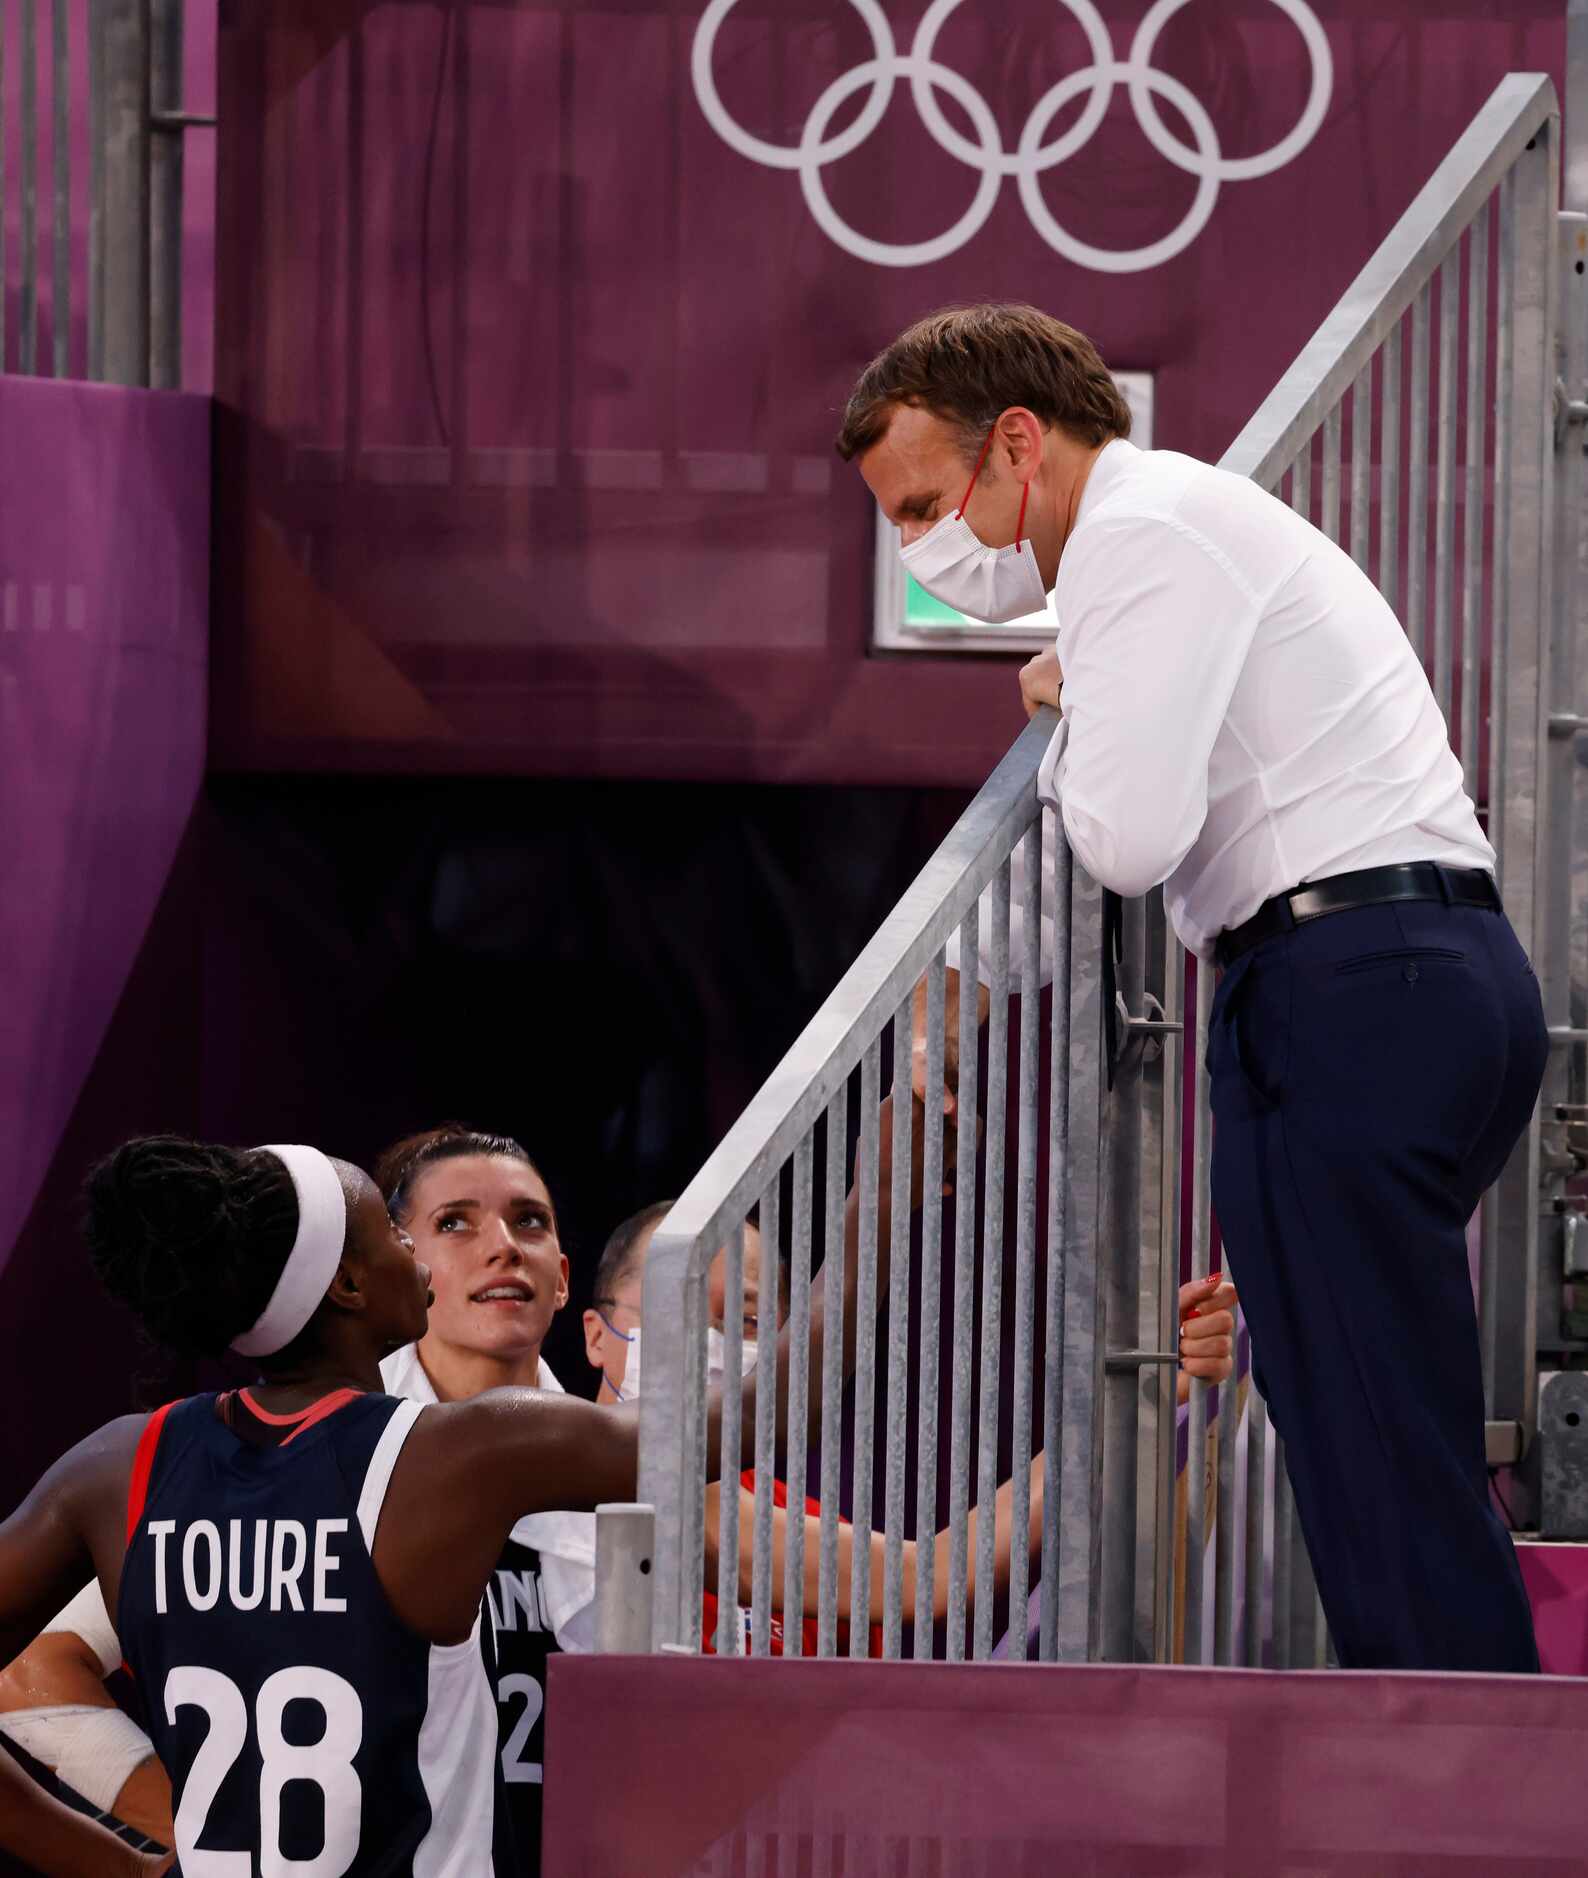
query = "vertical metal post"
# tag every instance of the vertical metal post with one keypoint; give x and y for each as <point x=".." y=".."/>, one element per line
<point x="898" y="1339"/>
<point x="1362" y="466"/>
<point x="28" y="278"/>
<point x="1389" y="476"/>
<point x="663" y="1446"/>
<point x="1196" y="1479"/>
<point x="1417" y="480"/>
<point x="1256" y="1489"/>
<point x="165" y="195"/>
<point x="730" y="1636"/>
<point x="1120" y="1243"/>
<point x="1301" y="481"/>
<point x="929" y="1361"/>
<point x="992" y="1264"/>
<point x="625" y="1582"/>
<point x="1026" y="1230"/>
<point x="1284" y="1523"/>
<point x="125" y="207"/>
<point x="866" y="1348"/>
<point x="96" y="192"/>
<point x="799" y="1370"/>
<point x="1445" y="476"/>
<point x="1472" y="499"/>
<point x="1059" y="1237"/>
<point x="1166" y="1430"/>
<point x="1330" y="518"/>
<point x="1226" y="1538"/>
<point x="771" y="1286"/>
<point x="1528" y="521"/>
<point x="1080" y="1478"/>
<point x="964" y="1292"/>
<point x="837" y="1171"/>
<point x="61" y="139"/>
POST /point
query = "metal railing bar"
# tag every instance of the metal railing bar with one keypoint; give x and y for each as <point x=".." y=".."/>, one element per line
<point x="929" y="1359"/>
<point x="1194" y="1645"/>
<point x="61" y="143"/>
<point x="1362" y="465"/>
<point x="1519" y="105"/>
<point x="866" y="1349"/>
<point x="1329" y="516"/>
<point x="1472" y="513"/>
<point x="729" y="1642"/>
<point x="1256" y="1493"/>
<point x="770" y="1285"/>
<point x="28" y="257"/>
<point x="898" y="1338"/>
<point x="992" y="1255"/>
<point x="832" y="1370"/>
<point x="794" y="1466"/>
<point x="1057" y="1238"/>
<point x="964" y="1297"/>
<point x="1389" y="539"/>
<point x="1445" y="479"/>
<point x="1417" y="483"/>
<point x="1026" y="1229"/>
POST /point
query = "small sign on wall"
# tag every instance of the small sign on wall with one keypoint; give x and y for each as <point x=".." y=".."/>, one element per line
<point x="906" y="617"/>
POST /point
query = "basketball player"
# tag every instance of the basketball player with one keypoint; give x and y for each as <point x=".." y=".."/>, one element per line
<point x="244" y="1538"/>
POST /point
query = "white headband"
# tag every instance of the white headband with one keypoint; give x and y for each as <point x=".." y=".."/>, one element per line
<point x="316" y="1252"/>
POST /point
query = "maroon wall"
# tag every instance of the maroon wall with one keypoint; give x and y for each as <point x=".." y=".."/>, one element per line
<point x="530" y="379"/>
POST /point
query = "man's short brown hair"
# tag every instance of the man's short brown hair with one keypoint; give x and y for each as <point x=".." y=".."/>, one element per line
<point x="969" y="364"/>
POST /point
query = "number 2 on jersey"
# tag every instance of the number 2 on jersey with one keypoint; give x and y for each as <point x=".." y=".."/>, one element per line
<point x="328" y="1763"/>
<point x="516" y="1771"/>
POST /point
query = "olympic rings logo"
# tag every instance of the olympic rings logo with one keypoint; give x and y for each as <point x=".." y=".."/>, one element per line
<point x="1028" y="162"/>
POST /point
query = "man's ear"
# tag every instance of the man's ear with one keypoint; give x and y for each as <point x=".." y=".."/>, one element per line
<point x="595" y="1340"/>
<point x="562" y="1281"/>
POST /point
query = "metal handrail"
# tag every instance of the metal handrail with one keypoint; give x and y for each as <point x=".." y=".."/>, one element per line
<point x="1402" y="265"/>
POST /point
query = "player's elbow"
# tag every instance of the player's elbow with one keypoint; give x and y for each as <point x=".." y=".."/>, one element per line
<point x="1130" y="853"/>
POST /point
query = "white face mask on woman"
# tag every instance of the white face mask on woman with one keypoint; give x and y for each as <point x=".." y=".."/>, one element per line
<point x="954" y="564"/>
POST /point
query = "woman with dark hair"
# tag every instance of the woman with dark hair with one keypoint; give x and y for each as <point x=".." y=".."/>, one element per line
<point x="307" y="1543"/>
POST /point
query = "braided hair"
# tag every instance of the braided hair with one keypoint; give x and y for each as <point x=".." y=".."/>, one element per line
<point x="402" y="1163"/>
<point x="192" y="1237"/>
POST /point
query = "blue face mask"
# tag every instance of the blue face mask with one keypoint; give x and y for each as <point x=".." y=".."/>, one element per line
<point x="716" y="1359"/>
<point x="631" y="1372"/>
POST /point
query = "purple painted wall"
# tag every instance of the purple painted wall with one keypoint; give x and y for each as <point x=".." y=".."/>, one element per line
<point x="530" y="379"/>
<point x="104" y="579"/>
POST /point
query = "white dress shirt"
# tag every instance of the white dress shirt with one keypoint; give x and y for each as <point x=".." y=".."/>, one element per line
<point x="1242" y="711"/>
<point x="565" y="1541"/>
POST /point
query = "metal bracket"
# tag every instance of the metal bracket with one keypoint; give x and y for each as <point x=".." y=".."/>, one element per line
<point x="1139" y="1359"/>
<point x="1568" y="411"/>
<point x="180" y="120"/>
<point x="1149" y="1030"/>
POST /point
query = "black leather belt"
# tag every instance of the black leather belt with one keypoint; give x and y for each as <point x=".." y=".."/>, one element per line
<point x="1344" y="893"/>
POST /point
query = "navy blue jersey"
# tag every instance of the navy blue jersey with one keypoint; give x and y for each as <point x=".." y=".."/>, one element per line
<point x="304" y="1727"/>
<point x="523" y="1638"/>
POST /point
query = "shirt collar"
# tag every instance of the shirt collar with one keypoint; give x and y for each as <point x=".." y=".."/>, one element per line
<point x="404" y="1375"/>
<point x="1112" y="462"/>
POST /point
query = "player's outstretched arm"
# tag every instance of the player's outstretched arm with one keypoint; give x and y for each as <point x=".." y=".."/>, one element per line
<point x="71" y="1525"/>
<point x="60" y="1843"/>
<point x="54" y="1703"/>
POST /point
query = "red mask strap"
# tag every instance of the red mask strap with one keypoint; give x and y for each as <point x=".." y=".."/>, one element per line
<point x="1020" y="525"/>
<point x="975" y="472"/>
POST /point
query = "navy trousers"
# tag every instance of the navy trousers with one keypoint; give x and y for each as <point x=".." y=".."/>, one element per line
<point x="1371" y="1072"/>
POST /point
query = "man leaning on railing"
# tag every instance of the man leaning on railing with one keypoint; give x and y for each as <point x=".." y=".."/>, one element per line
<point x="1244" y="721"/>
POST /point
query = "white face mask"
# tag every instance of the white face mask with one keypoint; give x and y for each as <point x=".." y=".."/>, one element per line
<point x="954" y="565"/>
<point x="716" y="1362"/>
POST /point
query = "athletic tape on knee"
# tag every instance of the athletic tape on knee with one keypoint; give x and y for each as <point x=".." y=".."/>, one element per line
<point x="94" y="1750"/>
